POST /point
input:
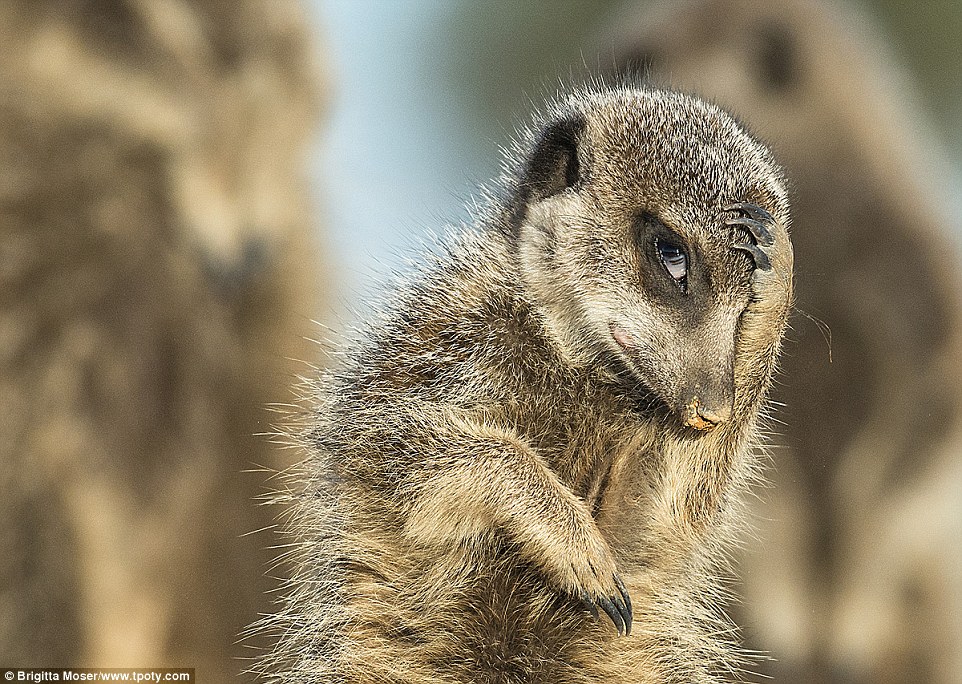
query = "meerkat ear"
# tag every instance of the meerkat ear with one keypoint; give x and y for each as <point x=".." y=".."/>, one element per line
<point x="553" y="165"/>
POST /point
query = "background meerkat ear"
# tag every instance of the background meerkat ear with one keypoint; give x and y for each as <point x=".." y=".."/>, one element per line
<point x="553" y="165"/>
<point x="776" y="58"/>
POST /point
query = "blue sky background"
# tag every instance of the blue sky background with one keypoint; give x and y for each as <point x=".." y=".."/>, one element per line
<point x="392" y="159"/>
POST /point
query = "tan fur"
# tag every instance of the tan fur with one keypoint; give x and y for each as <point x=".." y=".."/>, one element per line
<point x="492" y="451"/>
<point x="852" y="581"/>
<point x="156" y="269"/>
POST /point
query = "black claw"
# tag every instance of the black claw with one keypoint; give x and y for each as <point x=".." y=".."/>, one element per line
<point x="762" y="262"/>
<point x="589" y="604"/>
<point x="623" y="612"/>
<point x="757" y="222"/>
<point x="752" y="211"/>
<point x="627" y="612"/>
<point x="758" y="229"/>
<point x="613" y="613"/>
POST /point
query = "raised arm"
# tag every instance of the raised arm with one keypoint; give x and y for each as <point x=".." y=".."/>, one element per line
<point x="489" y="478"/>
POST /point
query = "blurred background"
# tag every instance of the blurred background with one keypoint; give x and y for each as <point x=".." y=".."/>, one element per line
<point x="187" y="185"/>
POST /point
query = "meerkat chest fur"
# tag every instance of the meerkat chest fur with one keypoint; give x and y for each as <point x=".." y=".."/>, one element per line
<point x="529" y="465"/>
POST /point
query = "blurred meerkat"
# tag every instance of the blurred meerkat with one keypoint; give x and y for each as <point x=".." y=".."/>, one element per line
<point x="553" y="419"/>
<point x="156" y="271"/>
<point x="859" y="573"/>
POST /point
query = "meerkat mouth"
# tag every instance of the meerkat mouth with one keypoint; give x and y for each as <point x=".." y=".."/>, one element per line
<point x="622" y="337"/>
<point x="647" y="397"/>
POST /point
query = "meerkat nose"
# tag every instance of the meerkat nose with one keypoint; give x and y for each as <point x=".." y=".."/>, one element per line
<point x="703" y="417"/>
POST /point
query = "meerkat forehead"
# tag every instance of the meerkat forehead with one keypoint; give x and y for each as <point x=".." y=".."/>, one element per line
<point x="674" y="154"/>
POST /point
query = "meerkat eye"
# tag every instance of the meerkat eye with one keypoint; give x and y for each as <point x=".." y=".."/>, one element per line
<point x="674" y="259"/>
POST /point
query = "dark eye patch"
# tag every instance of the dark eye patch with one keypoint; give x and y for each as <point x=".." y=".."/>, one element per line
<point x="666" y="255"/>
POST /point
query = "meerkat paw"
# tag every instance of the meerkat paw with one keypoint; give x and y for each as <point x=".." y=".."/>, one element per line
<point x="617" y="606"/>
<point x="766" y="242"/>
<point x="591" y="576"/>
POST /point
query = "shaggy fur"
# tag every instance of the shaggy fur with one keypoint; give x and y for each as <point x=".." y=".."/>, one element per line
<point x="542" y="420"/>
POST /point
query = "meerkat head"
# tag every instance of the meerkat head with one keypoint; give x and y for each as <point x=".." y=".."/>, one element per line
<point x="619" y="217"/>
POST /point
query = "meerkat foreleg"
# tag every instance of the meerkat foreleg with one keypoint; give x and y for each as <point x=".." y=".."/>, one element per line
<point x="490" y="479"/>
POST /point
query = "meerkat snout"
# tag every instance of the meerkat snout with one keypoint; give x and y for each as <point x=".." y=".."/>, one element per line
<point x="705" y="397"/>
<point x="705" y="416"/>
<point x="708" y="401"/>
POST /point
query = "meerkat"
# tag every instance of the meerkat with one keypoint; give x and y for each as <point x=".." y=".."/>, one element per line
<point x="857" y="577"/>
<point x="157" y="269"/>
<point x="553" y="419"/>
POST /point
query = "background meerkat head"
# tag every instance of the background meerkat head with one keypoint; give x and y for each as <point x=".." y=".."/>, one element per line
<point x="619" y="216"/>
